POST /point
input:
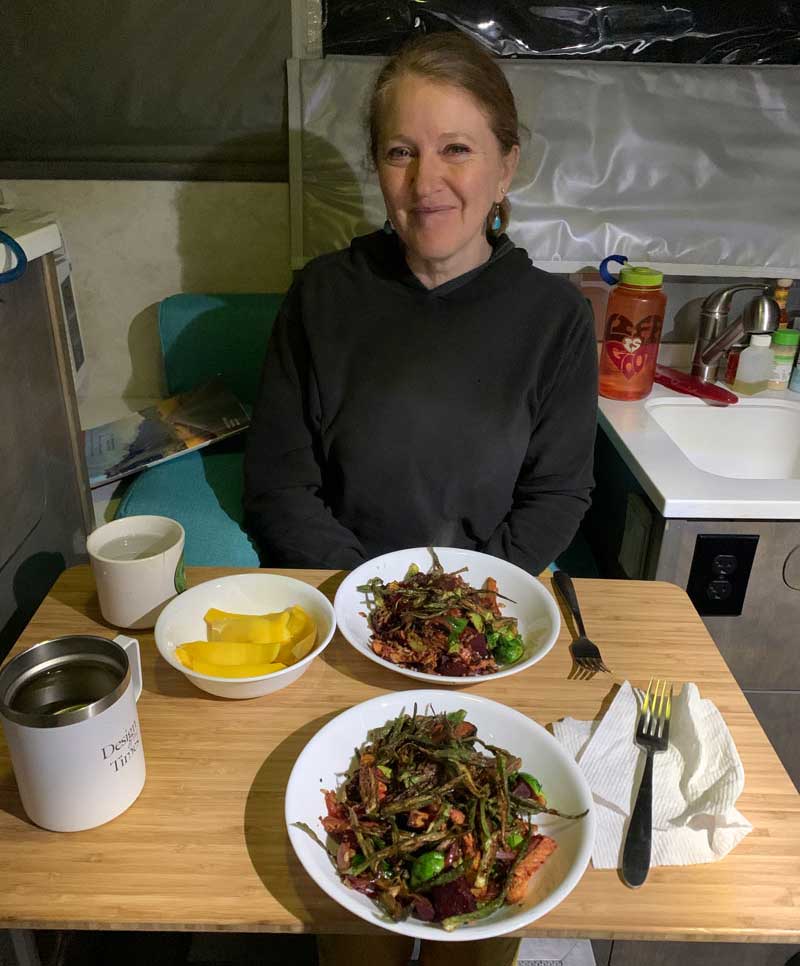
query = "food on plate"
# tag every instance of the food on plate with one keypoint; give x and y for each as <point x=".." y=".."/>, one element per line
<point x="427" y="824"/>
<point x="250" y="645"/>
<point x="436" y="623"/>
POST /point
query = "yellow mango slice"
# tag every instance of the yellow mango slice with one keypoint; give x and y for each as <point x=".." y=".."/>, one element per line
<point x="292" y="628"/>
<point x="260" y="629"/>
<point x="237" y="671"/>
<point x="249" y="645"/>
<point x="304" y="635"/>
<point x="303" y="646"/>
<point x="227" y="653"/>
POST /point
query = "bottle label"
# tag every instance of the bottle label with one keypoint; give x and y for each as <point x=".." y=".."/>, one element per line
<point x="630" y="344"/>
<point x="781" y="370"/>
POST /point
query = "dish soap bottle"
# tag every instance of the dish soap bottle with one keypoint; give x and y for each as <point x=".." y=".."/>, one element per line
<point x="755" y="366"/>
<point x="634" y="318"/>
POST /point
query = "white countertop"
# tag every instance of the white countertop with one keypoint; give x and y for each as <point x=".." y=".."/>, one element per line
<point x="36" y="231"/>
<point x="676" y="486"/>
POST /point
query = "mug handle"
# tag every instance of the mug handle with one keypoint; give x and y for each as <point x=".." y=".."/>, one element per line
<point x="131" y="647"/>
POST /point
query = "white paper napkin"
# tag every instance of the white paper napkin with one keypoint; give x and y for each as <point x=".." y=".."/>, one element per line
<point x="696" y="781"/>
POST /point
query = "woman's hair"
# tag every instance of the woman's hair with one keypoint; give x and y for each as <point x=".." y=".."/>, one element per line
<point x="451" y="58"/>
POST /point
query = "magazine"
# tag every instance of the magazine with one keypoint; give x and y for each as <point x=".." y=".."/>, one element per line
<point x="161" y="432"/>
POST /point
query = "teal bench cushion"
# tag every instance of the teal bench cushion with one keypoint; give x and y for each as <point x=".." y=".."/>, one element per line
<point x="203" y="336"/>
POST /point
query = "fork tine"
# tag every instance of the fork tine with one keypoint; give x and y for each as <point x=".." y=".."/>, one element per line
<point x="646" y="698"/>
<point x="658" y="708"/>
<point x="642" y="725"/>
<point x="664" y="732"/>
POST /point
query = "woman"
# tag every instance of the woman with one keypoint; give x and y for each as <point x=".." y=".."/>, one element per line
<point x="428" y="385"/>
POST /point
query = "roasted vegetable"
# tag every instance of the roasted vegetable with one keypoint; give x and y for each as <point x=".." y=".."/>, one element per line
<point x="426" y="824"/>
<point x="435" y="622"/>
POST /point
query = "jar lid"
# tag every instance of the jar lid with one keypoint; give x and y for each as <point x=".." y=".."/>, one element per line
<point x="786" y="337"/>
<point x="640" y="275"/>
<point x="760" y="339"/>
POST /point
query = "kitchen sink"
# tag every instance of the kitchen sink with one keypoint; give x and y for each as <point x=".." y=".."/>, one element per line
<point x="755" y="439"/>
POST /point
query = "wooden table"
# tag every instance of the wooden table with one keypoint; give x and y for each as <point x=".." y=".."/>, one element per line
<point x="204" y="847"/>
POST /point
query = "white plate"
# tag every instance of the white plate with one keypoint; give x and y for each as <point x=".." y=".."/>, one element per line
<point x="182" y="620"/>
<point x="328" y="754"/>
<point x="537" y="614"/>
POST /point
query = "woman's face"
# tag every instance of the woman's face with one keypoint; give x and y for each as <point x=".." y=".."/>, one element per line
<point x="441" y="171"/>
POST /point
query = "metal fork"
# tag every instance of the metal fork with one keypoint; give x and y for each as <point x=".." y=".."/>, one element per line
<point x="652" y="734"/>
<point x="585" y="653"/>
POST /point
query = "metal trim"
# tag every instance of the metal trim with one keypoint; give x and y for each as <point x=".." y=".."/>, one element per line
<point x="36" y="658"/>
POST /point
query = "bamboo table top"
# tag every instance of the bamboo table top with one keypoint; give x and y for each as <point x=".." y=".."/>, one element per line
<point x="205" y="848"/>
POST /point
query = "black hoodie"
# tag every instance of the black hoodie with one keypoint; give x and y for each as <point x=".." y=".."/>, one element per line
<point x="391" y="415"/>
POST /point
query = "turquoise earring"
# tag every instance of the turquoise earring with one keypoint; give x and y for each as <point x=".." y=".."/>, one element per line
<point x="388" y="227"/>
<point x="497" y="222"/>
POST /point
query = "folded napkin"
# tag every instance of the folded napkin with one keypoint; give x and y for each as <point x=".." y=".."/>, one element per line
<point x="696" y="781"/>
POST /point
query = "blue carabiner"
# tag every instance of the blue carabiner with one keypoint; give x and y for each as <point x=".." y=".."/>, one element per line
<point x="22" y="259"/>
<point x="606" y="276"/>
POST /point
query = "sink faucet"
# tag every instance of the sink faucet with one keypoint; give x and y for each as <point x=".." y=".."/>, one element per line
<point x="717" y="335"/>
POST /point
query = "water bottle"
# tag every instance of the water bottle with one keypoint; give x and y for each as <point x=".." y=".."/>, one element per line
<point x="634" y="319"/>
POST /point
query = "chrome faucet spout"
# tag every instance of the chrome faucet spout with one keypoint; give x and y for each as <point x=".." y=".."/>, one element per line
<point x="760" y="315"/>
<point x="730" y="336"/>
<point x="716" y="335"/>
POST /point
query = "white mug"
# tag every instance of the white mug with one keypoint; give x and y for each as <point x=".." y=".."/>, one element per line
<point x="68" y="710"/>
<point x="138" y="566"/>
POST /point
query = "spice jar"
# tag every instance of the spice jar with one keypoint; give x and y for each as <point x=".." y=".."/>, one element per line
<point x="781" y="296"/>
<point x="784" y="350"/>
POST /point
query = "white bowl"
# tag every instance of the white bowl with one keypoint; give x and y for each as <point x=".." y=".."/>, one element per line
<point x="328" y="754"/>
<point x="537" y="614"/>
<point x="182" y="621"/>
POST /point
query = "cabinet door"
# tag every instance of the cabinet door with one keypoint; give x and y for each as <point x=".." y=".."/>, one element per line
<point x="42" y="490"/>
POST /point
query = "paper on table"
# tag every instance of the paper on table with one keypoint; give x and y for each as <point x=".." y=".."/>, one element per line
<point x="696" y="781"/>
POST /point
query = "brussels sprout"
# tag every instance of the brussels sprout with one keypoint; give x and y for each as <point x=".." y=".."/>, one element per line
<point x="524" y="785"/>
<point x="507" y="650"/>
<point x="425" y="867"/>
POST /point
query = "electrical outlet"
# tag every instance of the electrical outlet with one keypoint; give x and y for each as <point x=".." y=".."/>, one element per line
<point x="720" y="572"/>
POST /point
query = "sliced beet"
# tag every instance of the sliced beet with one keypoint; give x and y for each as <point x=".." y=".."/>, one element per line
<point x="423" y="909"/>
<point x="475" y="642"/>
<point x="453" y="898"/>
<point x="351" y="789"/>
<point x="453" y="666"/>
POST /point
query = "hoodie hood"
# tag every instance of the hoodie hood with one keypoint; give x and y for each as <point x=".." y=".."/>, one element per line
<point x="386" y="258"/>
